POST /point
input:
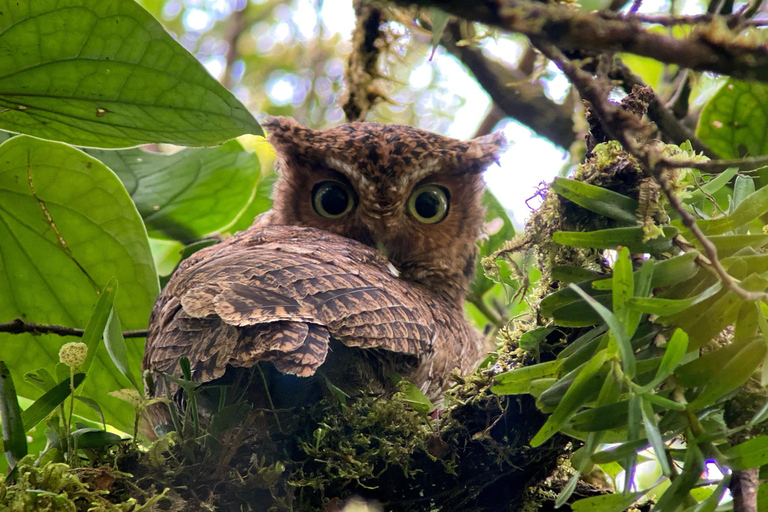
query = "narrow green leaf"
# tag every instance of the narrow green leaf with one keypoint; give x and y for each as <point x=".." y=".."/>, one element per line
<point x="634" y="419"/>
<point x="578" y="393"/>
<point x="607" y="502"/>
<point x="620" y="451"/>
<point x="667" y="307"/>
<point x="572" y="274"/>
<point x="623" y="286"/>
<point x="118" y="352"/>
<point x="743" y="187"/>
<point x="415" y="398"/>
<point x="733" y="374"/>
<point x="14" y="435"/>
<point x="94" y="330"/>
<point x="581" y="341"/>
<point x="727" y="245"/>
<point x="89" y="437"/>
<point x="631" y="238"/>
<point x="597" y="199"/>
<point x="712" y="185"/>
<point x="654" y="436"/>
<point x="93" y="405"/>
<point x="42" y="407"/>
<point x="673" y="354"/>
<point x="439" y="20"/>
<point x="567" y="491"/>
<point x="41" y="379"/>
<point x="753" y="206"/>
<point x="606" y="417"/>
<point x="517" y="381"/>
<point x="678" y="492"/>
<point x="617" y="330"/>
<point x="664" y="403"/>
<point x="530" y="340"/>
<point x="108" y="76"/>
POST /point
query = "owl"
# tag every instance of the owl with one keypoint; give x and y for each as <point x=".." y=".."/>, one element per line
<point x="358" y="272"/>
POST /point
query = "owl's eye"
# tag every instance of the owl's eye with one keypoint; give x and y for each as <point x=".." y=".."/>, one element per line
<point x="429" y="204"/>
<point x="332" y="199"/>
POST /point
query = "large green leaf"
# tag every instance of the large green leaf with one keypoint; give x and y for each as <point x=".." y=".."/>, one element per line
<point x="104" y="73"/>
<point x="734" y="123"/>
<point x="171" y="191"/>
<point x="67" y="226"/>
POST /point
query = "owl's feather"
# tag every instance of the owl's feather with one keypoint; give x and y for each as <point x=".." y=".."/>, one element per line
<point x="278" y="294"/>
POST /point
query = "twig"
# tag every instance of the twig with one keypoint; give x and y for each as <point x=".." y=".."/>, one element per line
<point x="18" y="326"/>
<point x="624" y="127"/>
<point x="571" y="29"/>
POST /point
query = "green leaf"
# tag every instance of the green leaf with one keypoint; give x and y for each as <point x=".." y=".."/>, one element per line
<point x="597" y="199"/>
<point x="589" y="379"/>
<point x="712" y="185"/>
<point x="415" y="398"/>
<point x="607" y="502"/>
<point x="571" y="274"/>
<point x="749" y="454"/>
<point x="499" y="228"/>
<point x="727" y="245"/>
<point x="618" y="331"/>
<point x="623" y="290"/>
<point x="94" y="330"/>
<point x="439" y="20"/>
<point x="753" y="206"/>
<point x="90" y="437"/>
<point x="620" y="451"/>
<point x="674" y="352"/>
<point x="733" y="374"/>
<point x="734" y="122"/>
<point x="680" y="488"/>
<point x="41" y="379"/>
<point x="43" y="406"/>
<point x="67" y="226"/>
<point x="582" y="341"/>
<point x="665" y="307"/>
<point x="117" y="349"/>
<point x="631" y="238"/>
<point x="654" y="436"/>
<point x="171" y="191"/>
<point x="106" y="74"/>
<point x="518" y="381"/>
<point x="14" y="435"/>
<point x="530" y="340"/>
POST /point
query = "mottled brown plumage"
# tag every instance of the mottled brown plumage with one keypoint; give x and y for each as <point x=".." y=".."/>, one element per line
<point x="306" y="291"/>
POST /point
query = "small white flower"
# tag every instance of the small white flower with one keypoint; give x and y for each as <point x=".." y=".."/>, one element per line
<point x="73" y="354"/>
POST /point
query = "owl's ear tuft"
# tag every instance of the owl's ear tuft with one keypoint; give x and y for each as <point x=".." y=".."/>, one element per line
<point x="485" y="150"/>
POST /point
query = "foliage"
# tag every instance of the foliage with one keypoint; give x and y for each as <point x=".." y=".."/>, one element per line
<point x="643" y="340"/>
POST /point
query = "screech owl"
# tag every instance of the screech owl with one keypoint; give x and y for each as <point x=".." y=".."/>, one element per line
<point x="359" y="269"/>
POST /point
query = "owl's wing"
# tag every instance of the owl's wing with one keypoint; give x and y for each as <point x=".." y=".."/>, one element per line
<point x="278" y="294"/>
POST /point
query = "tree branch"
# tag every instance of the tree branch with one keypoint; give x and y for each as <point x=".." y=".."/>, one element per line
<point x="18" y="326"/>
<point x="705" y="49"/>
<point x="626" y="128"/>
<point x="514" y="92"/>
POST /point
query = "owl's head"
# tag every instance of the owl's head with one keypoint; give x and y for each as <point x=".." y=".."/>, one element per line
<point x="412" y="194"/>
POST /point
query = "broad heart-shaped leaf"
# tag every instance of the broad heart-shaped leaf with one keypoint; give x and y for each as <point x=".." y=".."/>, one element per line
<point x="106" y="74"/>
<point x="67" y="226"/>
<point x="734" y="123"/>
<point x="171" y="191"/>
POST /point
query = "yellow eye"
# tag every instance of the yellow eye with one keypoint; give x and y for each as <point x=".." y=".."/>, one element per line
<point x="332" y="199"/>
<point x="428" y="204"/>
